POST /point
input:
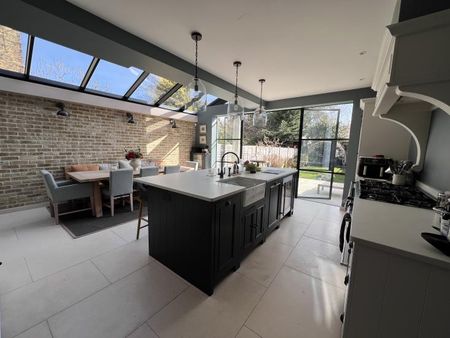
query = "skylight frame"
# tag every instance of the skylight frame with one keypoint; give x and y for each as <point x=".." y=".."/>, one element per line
<point x="26" y="76"/>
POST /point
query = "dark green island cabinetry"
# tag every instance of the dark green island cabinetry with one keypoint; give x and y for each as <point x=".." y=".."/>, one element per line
<point x="203" y="240"/>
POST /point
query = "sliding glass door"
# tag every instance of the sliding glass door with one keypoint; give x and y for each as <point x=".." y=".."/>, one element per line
<point x="322" y="158"/>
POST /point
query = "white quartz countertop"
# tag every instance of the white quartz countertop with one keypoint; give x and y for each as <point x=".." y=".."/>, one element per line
<point x="201" y="185"/>
<point x="396" y="228"/>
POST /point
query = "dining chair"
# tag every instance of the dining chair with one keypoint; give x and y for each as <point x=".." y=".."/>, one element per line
<point x="171" y="169"/>
<point x="120" y="186"/>
<point x="149" y="171"/>
<point x="64" y="191"/>
<point x="192" y="164"/>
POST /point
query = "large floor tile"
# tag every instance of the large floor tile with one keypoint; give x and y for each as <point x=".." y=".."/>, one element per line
<point x="194" y="314"/>
<point x="8" y="243"/>
<point x="325" y="230"/>
<point x="120" y="308"/>
<point x="35" y="302"/>
<point x="39" y="331"/>
<point x="245" y="332"/>
<point x="318" y="259"/>
<point x="13" y="274"/>
<point x="290" y="231"/>
<point x="124" y="260"/>
<point x="42" y="230"/>
<point x="56" y="258"/>
<point x="23" y="217"/>
<point x="128" y="231"/>
<point x="330" y="213"/>
<point x="297" y="305"/>
<point x="143" y="331"/>
<point x="263" y="264"/>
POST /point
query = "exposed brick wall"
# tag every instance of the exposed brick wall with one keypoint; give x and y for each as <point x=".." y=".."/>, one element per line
<point x="10" y="50"/>
<point x="33" y="138"/>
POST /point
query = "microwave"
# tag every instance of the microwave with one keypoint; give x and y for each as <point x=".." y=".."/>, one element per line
<point x="373" y="167"/>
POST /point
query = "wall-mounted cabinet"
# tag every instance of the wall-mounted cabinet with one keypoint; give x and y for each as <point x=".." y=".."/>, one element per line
<point x="413" y="76"/>
<point x="413" y="62"/>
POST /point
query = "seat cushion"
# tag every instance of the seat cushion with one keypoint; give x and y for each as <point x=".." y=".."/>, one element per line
<point x="85" y="167"/>
<point x="105" y="166"/>
<point x="124" y="164"/>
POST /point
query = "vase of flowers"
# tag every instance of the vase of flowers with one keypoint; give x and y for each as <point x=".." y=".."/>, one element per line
<point x="134" y="156"/>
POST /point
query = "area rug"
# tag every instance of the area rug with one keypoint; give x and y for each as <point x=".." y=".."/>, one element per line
<point x="83" y="223"/>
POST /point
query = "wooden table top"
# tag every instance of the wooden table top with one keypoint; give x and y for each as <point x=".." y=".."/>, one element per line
<point x="102" y="175"/>
<point x="93" y="176"/>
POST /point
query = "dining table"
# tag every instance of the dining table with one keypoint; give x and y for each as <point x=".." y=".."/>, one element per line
<point x="96" y="178"/>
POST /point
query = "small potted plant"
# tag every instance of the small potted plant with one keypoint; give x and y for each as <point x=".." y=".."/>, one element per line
<point x="251" y="167"/>
<point x="134" y="156"/>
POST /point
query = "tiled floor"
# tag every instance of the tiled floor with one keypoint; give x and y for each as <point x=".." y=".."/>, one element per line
<point x="106" y="285"/>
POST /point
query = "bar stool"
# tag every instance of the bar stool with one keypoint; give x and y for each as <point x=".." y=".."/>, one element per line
<point x="142" y="203"/>
<point x="149" y="171"/>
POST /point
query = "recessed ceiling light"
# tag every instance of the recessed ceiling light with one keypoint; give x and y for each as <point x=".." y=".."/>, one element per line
<point x="363" y="52"/>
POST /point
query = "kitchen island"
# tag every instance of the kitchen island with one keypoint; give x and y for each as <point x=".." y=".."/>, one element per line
<point x="201" y="227"/>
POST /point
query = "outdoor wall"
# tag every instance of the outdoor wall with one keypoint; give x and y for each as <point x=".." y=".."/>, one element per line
<point x="33" y="138"/>
<point x="10" y="50"/>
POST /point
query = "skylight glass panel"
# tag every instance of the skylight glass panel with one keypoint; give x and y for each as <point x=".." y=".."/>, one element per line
<point x="152" y="89"/>
<point x="181" y="96"/>
<point x="177" y="100"/>
<point x="13" y="49"/>
<point x="113" y="79"/>
<point x="210" y="98"/>
<point x="54" y="62"/>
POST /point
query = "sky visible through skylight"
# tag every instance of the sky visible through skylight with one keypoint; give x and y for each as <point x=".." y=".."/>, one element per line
<point x="57" y="63"/>
<point x="113" y="79"/>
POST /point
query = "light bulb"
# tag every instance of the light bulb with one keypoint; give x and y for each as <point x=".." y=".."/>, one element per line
<point x="235" y="110"/>
<point x="260" y="117"/>
<point x="196" y="96"/>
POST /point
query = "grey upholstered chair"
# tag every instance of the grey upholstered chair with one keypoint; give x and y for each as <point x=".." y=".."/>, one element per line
<point x="64" y="191"/>
<point x="171" y="169"/>
<point x="149" y="171"/>
<point x="120" y="186"/>
<point x="192" y="164"/>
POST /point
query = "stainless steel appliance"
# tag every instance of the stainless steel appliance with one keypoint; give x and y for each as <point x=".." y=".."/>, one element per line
<point x="373" y="167"/>
<point x="344" y="235"/>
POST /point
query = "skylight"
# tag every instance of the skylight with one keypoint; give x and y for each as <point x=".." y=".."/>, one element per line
<point x="152" y="89"/>
<point x="13" y="49"/>
<point x="54" y="62"/>
<point x="179" y="99"/>
<point x="70" y="69"/>
<point x="112" y="79"/>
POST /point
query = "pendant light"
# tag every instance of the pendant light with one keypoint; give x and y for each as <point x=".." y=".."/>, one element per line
<point x="260" y="114"/>
<point x="196" y="90"/>
<point x="235" y="110"/>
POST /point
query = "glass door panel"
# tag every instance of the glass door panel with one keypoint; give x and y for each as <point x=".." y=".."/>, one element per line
<point x="324" y="138"/>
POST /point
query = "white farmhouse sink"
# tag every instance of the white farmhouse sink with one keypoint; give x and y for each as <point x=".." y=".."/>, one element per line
<point x="255" y="189"/>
